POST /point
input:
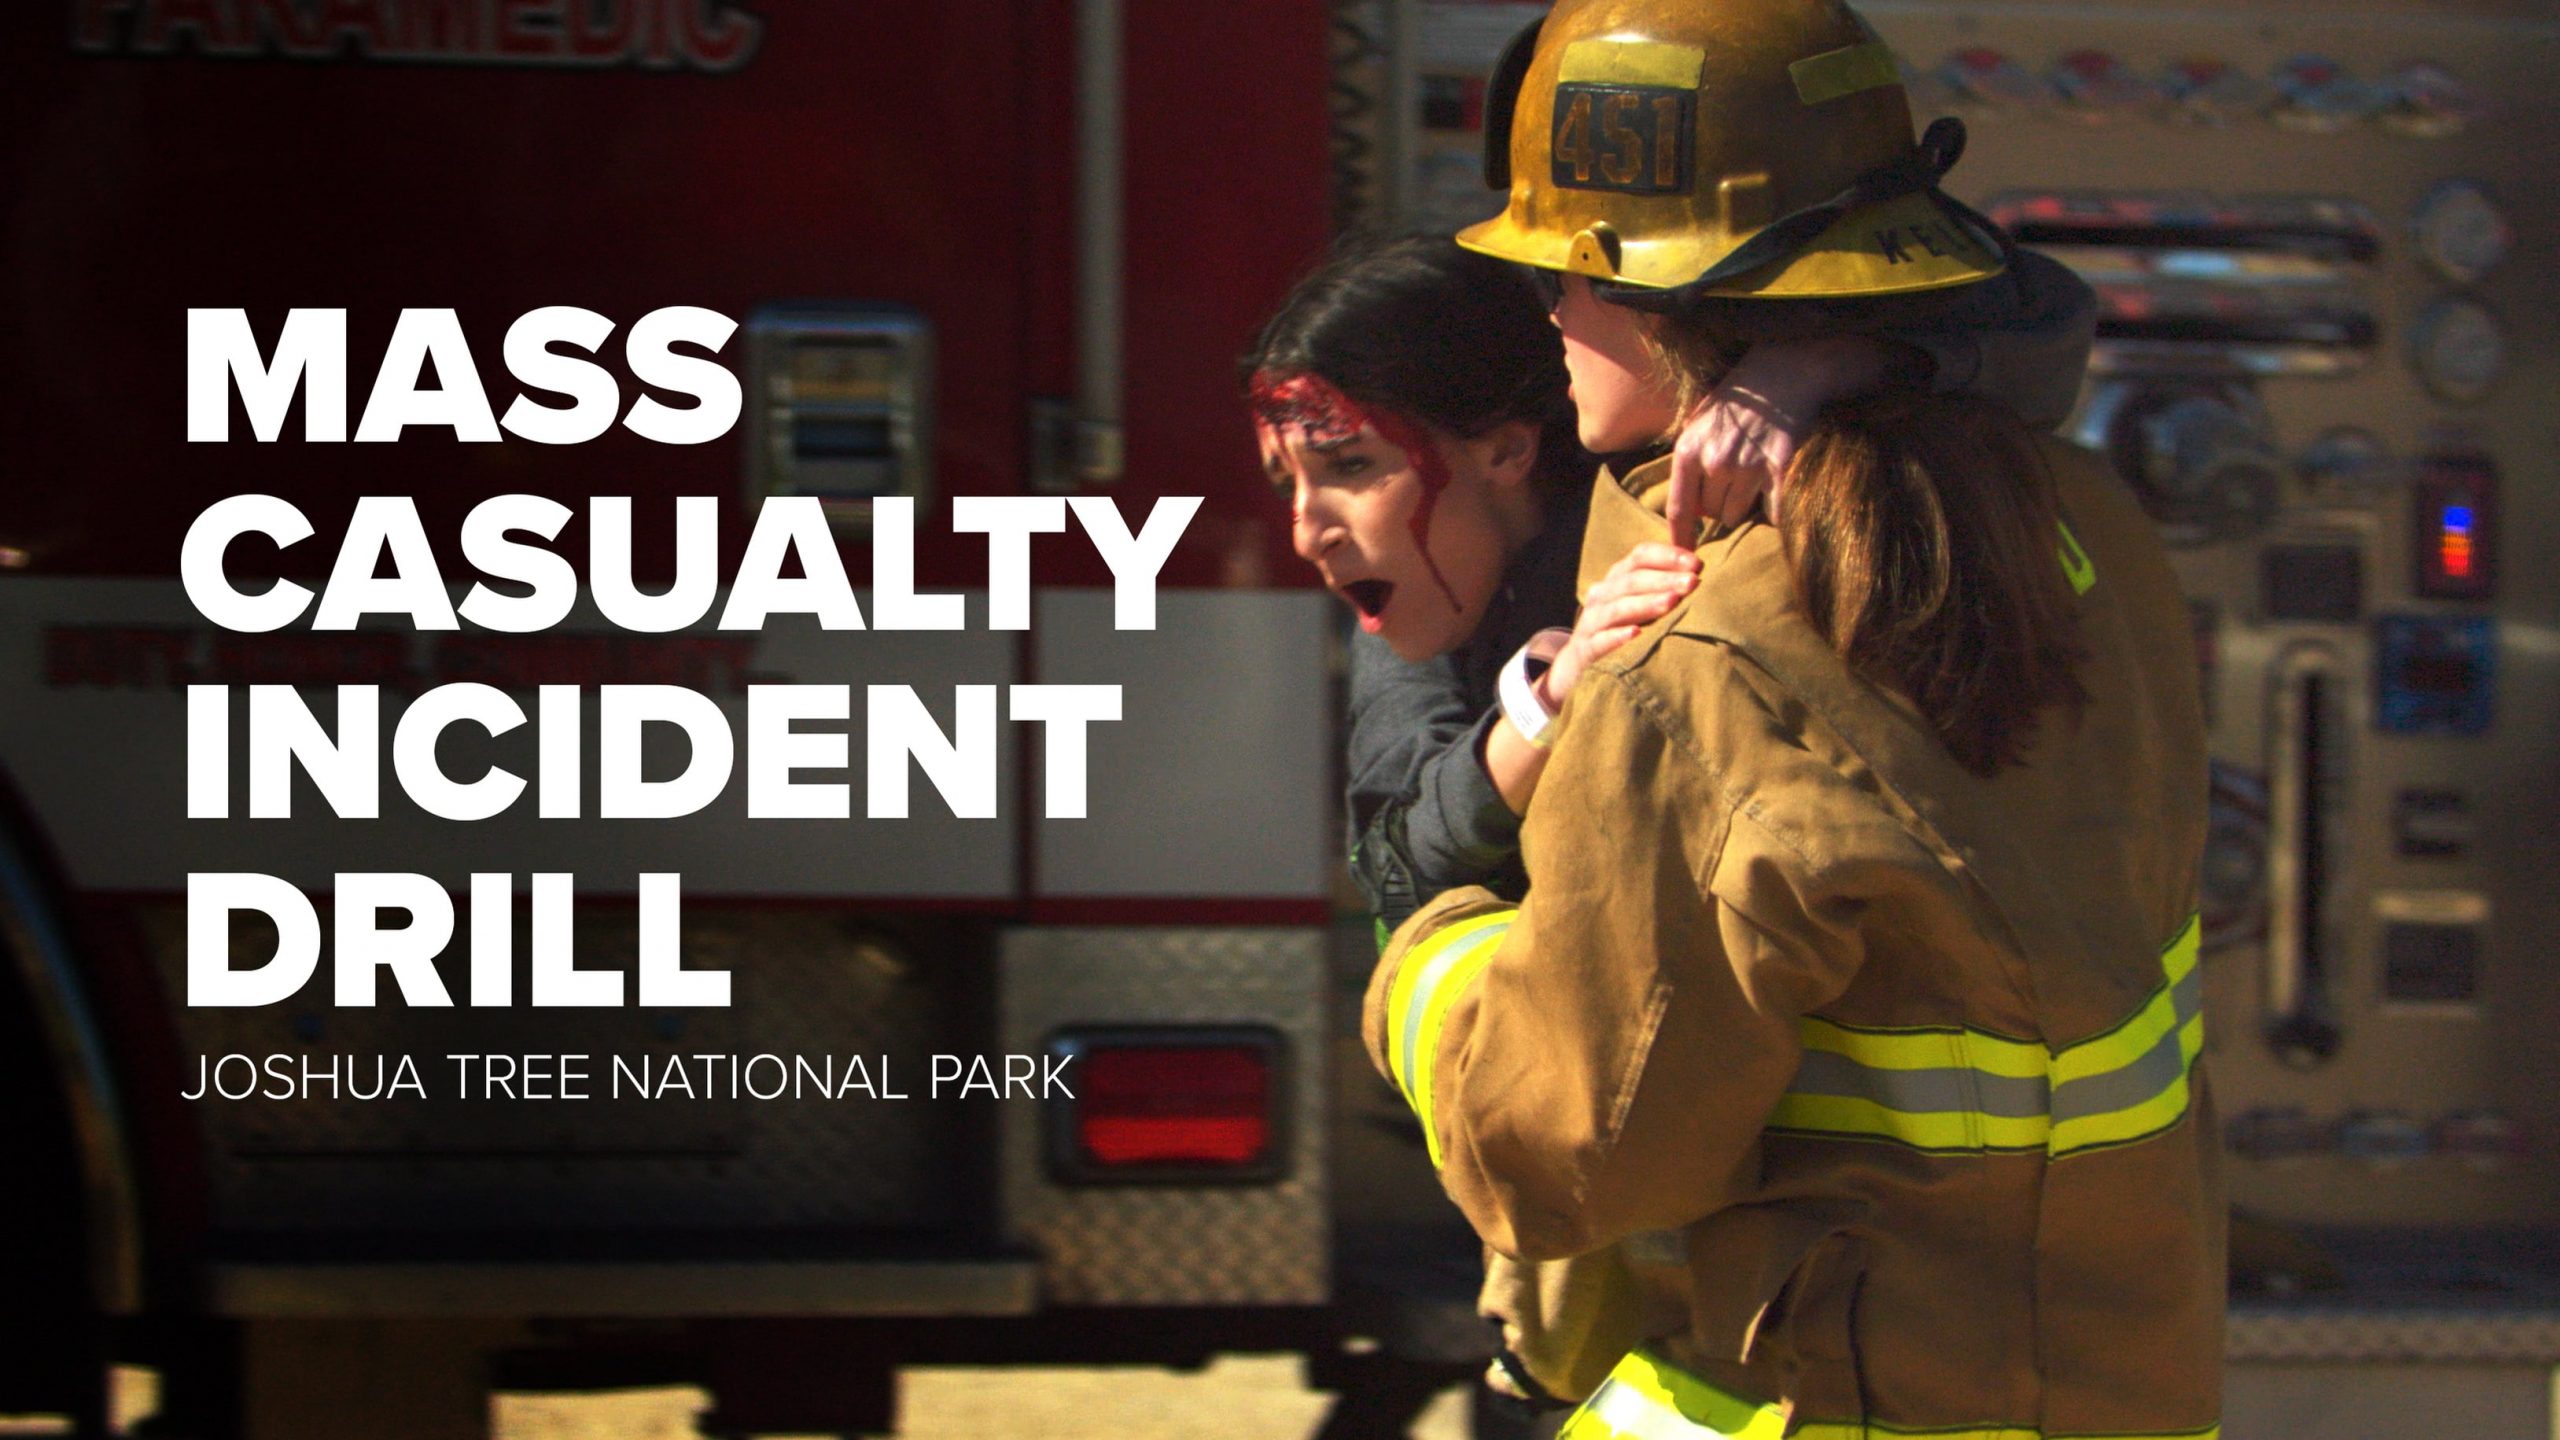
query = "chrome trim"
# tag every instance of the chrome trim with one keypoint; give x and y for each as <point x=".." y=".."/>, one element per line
<point x="1100" y="163"/>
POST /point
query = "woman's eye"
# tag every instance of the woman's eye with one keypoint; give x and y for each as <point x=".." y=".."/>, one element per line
<point x="1352" y="466"/>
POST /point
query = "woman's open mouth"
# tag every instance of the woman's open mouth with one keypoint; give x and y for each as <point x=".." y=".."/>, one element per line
<point x="1370" y="598"/>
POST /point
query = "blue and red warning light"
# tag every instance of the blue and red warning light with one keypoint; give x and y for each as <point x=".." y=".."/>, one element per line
<point x="2454" y="514"/>
<point x="2453" y="542"/>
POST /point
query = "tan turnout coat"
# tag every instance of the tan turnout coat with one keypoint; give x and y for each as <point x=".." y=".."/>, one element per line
<point x="1906" y="1057"/>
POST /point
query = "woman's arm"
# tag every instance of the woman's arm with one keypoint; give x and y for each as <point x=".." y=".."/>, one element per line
<point x="2021" y="338"/>
<point x="1425" y="814"/>
<point x="1438" y="780"/>
<point x="1645" y="584"/>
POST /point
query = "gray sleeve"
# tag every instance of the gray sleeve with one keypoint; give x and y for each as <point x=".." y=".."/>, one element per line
<point x="1425" y="817"/>
<point x="2021" y="338"/>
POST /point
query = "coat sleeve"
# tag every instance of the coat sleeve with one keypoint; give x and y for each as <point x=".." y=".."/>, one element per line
<point x="1600" y="1059"/>
<point x="1425" y="817"/>
<point x="2022" y="338"/>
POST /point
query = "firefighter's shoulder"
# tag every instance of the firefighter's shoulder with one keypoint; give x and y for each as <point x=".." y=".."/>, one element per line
<point x="1738" y="683"/>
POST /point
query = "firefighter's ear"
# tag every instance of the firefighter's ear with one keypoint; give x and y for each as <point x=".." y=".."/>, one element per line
<point x="1507" y="453"/>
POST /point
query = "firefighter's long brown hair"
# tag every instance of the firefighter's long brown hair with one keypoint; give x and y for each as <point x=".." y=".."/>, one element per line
<point x="1924" y="539"/>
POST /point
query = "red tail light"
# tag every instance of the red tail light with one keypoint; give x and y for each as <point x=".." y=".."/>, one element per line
<point x="1173" y="1104"/>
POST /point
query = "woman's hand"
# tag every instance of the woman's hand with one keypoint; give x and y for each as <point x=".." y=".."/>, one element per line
<point x="1637" y="591"/>
<point x="1632" y="595"/>
<point x="1640" y="589"/>
<point x="1741" y="437"/>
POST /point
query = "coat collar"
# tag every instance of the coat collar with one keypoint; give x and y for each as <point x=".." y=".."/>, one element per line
<point x="1628" y="510"/>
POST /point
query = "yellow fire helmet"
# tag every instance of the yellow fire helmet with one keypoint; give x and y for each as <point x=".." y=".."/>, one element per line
<point x="1744" y="148"/>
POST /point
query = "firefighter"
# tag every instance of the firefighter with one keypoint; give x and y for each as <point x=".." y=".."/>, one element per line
<point x="1858" y="949"/>
<point x="1454" y="369"/>
<point x="1412" y="368"/>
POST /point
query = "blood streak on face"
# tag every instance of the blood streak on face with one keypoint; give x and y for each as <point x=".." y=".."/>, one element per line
<point x="1323" y="415"/>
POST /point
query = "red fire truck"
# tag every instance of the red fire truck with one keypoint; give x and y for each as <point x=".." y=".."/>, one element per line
<point x="974" y="247"/>
<point x="1009" y="247"/>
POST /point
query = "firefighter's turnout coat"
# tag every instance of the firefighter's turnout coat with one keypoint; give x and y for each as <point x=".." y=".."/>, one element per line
<point x="1906" y="1056"/>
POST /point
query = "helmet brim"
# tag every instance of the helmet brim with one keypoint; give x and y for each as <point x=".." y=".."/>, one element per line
<point x="1906" y="245"/>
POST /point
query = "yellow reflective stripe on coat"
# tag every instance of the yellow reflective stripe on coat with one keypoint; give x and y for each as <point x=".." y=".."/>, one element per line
<point x="2075" y="562"/>
<point x="1434" y="973"/>
<point x="1957" y="1089"/>
<point x="1648" y="1398"/>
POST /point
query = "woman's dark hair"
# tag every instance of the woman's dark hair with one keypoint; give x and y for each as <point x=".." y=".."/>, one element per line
<point x="1924" y="539"/>
<point x="1432" y="332"/>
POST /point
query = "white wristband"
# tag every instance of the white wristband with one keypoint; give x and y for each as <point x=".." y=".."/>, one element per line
<point x="1518" y="689"/>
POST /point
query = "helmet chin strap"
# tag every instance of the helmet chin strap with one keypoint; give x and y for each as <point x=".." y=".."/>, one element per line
<point x="1918" y="172"/>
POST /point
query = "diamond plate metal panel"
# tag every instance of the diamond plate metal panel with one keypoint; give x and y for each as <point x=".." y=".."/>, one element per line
<point x="803" y="985"/>
<point x="2432" y="1334"/>
<point x="1164" y="1244"/>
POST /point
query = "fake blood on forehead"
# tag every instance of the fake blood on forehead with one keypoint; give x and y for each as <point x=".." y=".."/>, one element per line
<point x="1311" y="407"/>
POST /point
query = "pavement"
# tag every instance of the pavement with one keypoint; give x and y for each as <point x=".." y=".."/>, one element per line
<point x="1238" y="1397"/>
